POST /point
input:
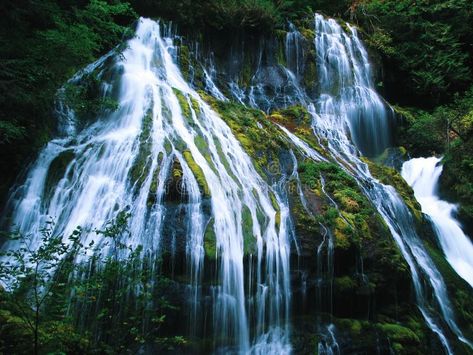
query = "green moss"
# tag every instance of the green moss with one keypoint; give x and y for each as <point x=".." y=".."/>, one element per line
<point x="141" y="164"/>
<point x="354" y="327"/>
<point x="387" y="156"/>
<point x="184" y="61"/>
<point x="195" y="105"/>
<point x="210" y="241"/>
<point x="355" y="224"/>
<point x="201" y="143"/>
<point x="184" y="105"/>
<point x="176" y="171"/>
<point x="281" y="55"/>
<point x="345" y="284"/>
<point x="274" y="201"/>
<point x="275" y="205"/>
<point x="262" y="142"/>
<point x="343" y="234"/>
<point x="168" y="146"/>
<point x="308" y="34"/>
<point x="459" y="291"/>
<point x="298" y="121"/>
<point x="401" y="338"/>
<point x="297" y="114"/>
<point x="197" y="171"/>
<point x="390" y="176"/>
<point x="349" y="200"/>
<point x="310" y="72"/>
<point x="249" y="240"/>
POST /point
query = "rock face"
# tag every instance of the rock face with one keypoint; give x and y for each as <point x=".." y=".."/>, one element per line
<point x="247" y="189"/>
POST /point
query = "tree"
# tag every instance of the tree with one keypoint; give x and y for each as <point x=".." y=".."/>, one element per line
<point x="28" y="272"/>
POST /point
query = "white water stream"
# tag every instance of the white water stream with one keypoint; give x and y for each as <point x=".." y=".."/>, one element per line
<point x="423" y="175"/>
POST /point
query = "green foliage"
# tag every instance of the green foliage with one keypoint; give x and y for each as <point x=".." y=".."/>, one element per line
<point x="457" y="179"/>
<point x="381" y="41"/>
<point x="42" y="44"/>
<point x="262" y="15"/>
<point x="28" y="273"/>
<point x="105" y="290"/>
<point x="85" y="99"/>
<point x="10" y="132"/>
<point x="108" y="304"/>
<point x="421" y="133"/>
<point x="425" y="43"/>
<point x="447" y="130"/>
<point x="246" y="15"/>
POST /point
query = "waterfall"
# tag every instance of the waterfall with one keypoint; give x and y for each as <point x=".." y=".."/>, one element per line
<point x="351" y="108"/>
<point x="352" y="118"/>
<point x="124" y="159"/>
<point x="346" y="89"/>
<point x="165" y="146"/>
<point x="423" y="175"/>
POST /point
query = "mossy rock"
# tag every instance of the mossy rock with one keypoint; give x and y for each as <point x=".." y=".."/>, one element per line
<point x="260" y="139"/>
<point x="389" y="176"/>
<point x="174" y="182"/>
<point x="310" y="73"/>
<point x="343" y="234"/>
<point x="345" y="284"/>
<point x="56" y="172"/>
<point x="297" y="114"/>
<point x="210" y="241"/>
<point x="403" y="340"/>
<point x="307" y="227"/>
<point x="197" y="171"/>
<point x="184" y="104"/>
<point x="298" y="120"/>
<point x="308" y="33"/>
<point x="140" y="167"/>
<point x="184" y="60"/>
<point x="459" y="290"/>
<point x="249" y="240"/>
<point x="392" y="157"/>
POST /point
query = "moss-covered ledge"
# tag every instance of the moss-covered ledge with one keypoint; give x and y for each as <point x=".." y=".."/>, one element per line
<point x="390" y="176"/>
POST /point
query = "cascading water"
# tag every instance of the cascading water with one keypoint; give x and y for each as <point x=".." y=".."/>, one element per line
<point x="346" y="88"/>
<point x="423" y="175"/>
<point x="123" y="160"/>
<point x="354" y="108"/>
<point x="349" y="109"/>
